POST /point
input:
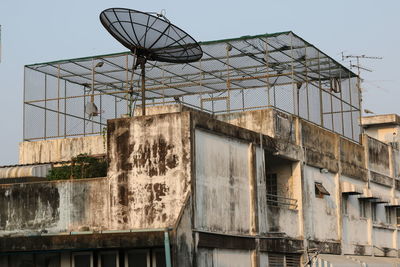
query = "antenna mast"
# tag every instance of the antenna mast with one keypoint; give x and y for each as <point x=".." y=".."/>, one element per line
<point x="359" y="68"/>
<point x="358" y="65"/>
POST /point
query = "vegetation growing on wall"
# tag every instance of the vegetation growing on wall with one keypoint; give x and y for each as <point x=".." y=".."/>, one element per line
<point x="81" y="166"/>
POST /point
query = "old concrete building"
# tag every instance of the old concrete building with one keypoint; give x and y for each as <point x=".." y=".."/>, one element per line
<point x="253" y="156"/>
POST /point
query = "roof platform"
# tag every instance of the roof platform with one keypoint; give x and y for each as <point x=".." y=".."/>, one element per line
<point x="279" y="70"/>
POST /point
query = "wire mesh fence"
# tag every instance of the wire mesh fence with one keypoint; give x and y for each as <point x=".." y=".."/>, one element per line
<point x="254" y="72"/>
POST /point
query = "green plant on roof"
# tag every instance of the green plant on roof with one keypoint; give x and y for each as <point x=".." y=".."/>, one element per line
<point x="81" y="166"/>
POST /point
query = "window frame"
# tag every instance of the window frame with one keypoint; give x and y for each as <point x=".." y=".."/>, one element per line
<point x="153" y="256"/>
<point x="108" y="252"/>
<point x="73" y="254"/>
<point x="374" y="214"/>
<point x="272" y="189"/>
<point x="397" y="216"/>
<point x="345" y="204"/>
<point x="148" y="255"/>
<point x="362" y="208"/>
<point x="389" y="215"/>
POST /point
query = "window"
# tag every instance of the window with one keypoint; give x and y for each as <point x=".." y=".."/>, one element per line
<point x="48" y="260"/>
<point x="398" y="216"/>
<point x="159" y="258"/>
<point x="283" y="260"/>
<point x="363" y="210"/>
<point x="82" y="259"/>
<point x="389" y="215"/>
<point x="137" y="258"/>
<point x="17" y="260"/>
<point x="345" y="200"/>
<point x="28" y="260"/>
<point x="373" y="212"/>
<point x="320" y="190"/>
<point x="272" y="189"/>
<point x="108" y="259"/>
<point x="145" y="258"/>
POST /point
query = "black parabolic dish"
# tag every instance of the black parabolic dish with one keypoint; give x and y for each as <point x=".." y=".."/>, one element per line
<point x="150" y="36"/>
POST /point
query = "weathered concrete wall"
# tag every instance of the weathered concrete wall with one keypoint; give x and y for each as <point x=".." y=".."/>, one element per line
<point x="60" y="149"/>
<point x="261" y="191"/>
<point x="54" y="207"/>
<point x="352" y="160"/>
<point x="261" y="121"/>
<point x="149" y="169"/>
<point x="396" y="163"/>
<point x="149" y="179"/>
<point x="378" y="156"/>
<point x="222" y="184"/>
<point x="356" y="230"/>
<point x="184" y="237"/>
<point x="385" y="134"/>
<point x="283" y="220"/>
<point x="320" y="147"/>
<point x="383" y="238"/>
<point x="320" y="213"/>
<point x="223" y="258"/>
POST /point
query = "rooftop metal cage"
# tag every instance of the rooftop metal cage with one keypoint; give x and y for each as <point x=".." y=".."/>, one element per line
<point x="279" y="70"/>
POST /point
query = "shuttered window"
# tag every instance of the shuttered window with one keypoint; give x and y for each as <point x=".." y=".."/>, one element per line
<point x="292" y="260"/>
<point x="276" y="260"/>
<point x="283" y="260"/>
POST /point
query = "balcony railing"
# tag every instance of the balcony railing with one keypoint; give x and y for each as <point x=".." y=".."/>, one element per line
<point x="283" y="202"/>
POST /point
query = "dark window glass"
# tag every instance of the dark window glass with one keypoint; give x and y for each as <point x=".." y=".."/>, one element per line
<point x="82" y="260"/>
<point x="137" y="259"/>
<point x="272" y="189"/>
<point x="398" y="216"/>
<point x="47" y="260"/>
<point x="21" y="260"/>
<point x="108" y="260"/>
<point x="160" y="258"/>
<point x="373" y="212"/>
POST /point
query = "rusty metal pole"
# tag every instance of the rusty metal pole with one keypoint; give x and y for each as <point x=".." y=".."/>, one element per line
<point x="143" y="87"/>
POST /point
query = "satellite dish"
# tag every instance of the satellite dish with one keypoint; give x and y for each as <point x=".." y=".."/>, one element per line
<point x="150" y="37"/>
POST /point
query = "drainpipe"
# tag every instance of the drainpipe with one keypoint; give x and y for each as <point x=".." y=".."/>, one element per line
<point x="167" y="249"/>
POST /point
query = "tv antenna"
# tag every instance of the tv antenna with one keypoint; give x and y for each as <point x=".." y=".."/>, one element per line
<point x="358" y="65"/>
<point x="149" y="37"/>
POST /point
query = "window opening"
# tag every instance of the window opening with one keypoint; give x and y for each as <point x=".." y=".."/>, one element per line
<point x="108" y="259"/>
<point x="389" y="215"/>
<point x="272" y="189"/>
<point x="137" y="258"/>
<point x="373" y="212"/>
<point x="83" y="259"/>
<point x="345" y="200"/>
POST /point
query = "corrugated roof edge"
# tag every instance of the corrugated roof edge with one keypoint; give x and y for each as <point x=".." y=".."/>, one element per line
<point x="245" y="37"/>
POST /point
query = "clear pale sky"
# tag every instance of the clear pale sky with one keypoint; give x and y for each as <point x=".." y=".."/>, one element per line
<point x="44" y="30"/>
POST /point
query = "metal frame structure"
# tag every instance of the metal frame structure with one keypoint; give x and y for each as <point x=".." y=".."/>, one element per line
<point x="279" y="70"/>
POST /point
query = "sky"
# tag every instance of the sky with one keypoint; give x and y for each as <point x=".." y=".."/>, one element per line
<point x="43" y="30"/>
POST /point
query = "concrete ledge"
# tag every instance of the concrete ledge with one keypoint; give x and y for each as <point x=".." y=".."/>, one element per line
<point x="387" y="119"/>
<point x="381" y="179"/>
<point x="281" y="245"/>
<point x="211" y="240"/>
<point x="87" y="241"/>
<point x="326" y="247"/>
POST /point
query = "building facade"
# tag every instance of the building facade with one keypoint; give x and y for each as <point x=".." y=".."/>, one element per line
<point x="206" y="184"/>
